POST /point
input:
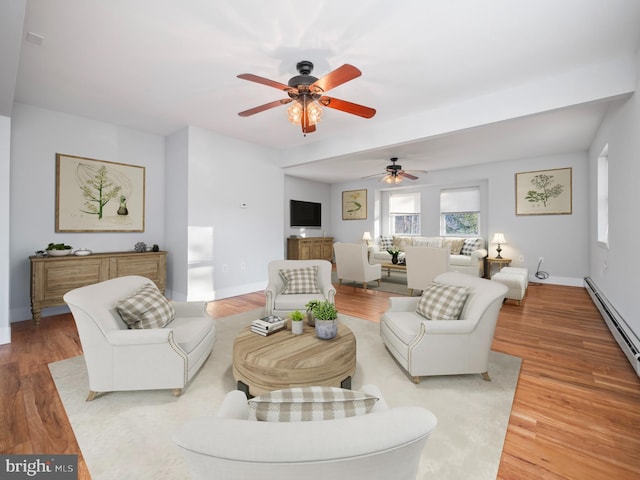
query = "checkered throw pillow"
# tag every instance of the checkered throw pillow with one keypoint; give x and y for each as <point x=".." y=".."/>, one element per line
<point x="146" y="308"/>
<point x="442" y="302"/>
<point x="300" y="280"/>
<point x="385" y="242"/>
<point x="470" y="246"/>
<point x="303" y="404"/>
<point x="453" y="244"/>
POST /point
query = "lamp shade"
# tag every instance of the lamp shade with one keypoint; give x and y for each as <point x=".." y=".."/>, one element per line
<point x="367" y="236"/>
<point x="498" y="238"/>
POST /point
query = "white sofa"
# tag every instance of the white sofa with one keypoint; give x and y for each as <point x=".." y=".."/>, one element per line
<point x="445" y="347"/>
<point x="281" y="304"/>
<point x="470" y="262"/>
<point x="119" y="358"/>
<point x="384" y="444"/>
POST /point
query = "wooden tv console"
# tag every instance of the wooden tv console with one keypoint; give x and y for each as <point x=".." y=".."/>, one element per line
<point x="310" y="248"/>
<point x="52" y="277"/>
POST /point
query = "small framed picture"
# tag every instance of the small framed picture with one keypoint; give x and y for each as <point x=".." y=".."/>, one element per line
<point x="354" y="205"/>
<point x="544" y="192"/>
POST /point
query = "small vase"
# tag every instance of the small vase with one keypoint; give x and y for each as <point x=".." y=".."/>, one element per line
<point x="297" y="327"/>
<point x="311" y="321"/>
<point x="326" y="329"/>
<point x="394" y="259"/>
<point x="123" y="210"/>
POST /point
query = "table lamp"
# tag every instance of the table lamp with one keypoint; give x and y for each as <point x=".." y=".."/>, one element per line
<point x="499" y="239"/>
<point x="366" y="237"/>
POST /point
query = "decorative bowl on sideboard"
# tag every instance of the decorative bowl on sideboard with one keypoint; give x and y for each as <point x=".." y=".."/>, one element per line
<point x="59" y="253"/>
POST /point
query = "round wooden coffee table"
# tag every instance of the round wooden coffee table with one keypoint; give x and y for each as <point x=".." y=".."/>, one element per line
<point x="283" y="360"/>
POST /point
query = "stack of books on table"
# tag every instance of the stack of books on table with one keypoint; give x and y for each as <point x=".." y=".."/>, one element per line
<point x="268" y="325"/>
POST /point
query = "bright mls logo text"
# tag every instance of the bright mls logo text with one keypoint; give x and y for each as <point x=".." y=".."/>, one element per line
<point x="52" y="467"/>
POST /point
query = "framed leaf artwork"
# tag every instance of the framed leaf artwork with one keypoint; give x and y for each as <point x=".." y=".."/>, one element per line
<point x="98" y="196"/>
<point x="354" y="205"/>
<point x="544" y="192"/>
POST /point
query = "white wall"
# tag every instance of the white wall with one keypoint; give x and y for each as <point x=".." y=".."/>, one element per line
<point x="615" y="269"/>
<point x="561" y="239"/>
<point x="307" y="191"/>
<point x="235" y="220"/>
<point x="5" y="189"/>
<point x="36" y="136"/>
<point x="176" y="207"/>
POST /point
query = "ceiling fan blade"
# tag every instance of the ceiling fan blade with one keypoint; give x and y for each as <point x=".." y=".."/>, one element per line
<point x="347" y="107"/>
<point x="266" y="106"/>
<point x="265" y="81"/>
<point x="374" y="175"/>
<point x="407" y="175"/>
<point x="337" y="77"/>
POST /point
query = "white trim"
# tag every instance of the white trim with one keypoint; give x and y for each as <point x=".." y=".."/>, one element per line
<point x="566" y="281"/>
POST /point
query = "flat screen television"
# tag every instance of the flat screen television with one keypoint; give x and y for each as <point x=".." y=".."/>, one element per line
<point x="305" y="214"/>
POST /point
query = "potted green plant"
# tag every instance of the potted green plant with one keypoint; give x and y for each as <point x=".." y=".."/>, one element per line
<point x="58" y="249"/>
<point x="296" y="322"/>
<point x="326" y="319"/>
<point x="309" y="306"/>
<point x="394" y="252"/>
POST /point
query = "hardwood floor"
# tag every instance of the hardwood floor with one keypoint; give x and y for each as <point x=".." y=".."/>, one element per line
<point x="576" y="412"/>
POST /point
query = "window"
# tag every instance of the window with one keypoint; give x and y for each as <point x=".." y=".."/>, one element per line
<point x="404" y="214"/>
<point x="603" y="196"/>
<point x="460" y="211"/>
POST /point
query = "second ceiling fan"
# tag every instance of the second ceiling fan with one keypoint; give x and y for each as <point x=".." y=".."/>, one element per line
<point x="395" y="174"/>
<point x="306" y="93"/>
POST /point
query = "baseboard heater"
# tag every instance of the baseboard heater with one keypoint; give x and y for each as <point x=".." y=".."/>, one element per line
<point x="628" y="341"/>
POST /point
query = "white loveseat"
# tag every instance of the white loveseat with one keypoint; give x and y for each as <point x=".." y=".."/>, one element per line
<point x="467" y="254"/>
<point x="384" y="444"/>
<point x="119" y="358"/>
<point x="426" y="347"/>
<point x="280" y="303"/>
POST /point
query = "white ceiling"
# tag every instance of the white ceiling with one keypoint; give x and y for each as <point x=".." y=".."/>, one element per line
<point x="159" y="66"/>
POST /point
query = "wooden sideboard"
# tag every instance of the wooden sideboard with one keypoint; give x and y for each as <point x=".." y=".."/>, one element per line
<point x="310" y="248"/>
<point x="52" y="277"/>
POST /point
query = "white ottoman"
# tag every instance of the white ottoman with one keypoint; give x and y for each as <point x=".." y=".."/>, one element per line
<point x="515" y="282"/>
<point x="519" y="270"/>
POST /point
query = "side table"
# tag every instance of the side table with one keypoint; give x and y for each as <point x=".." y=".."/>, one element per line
<point x="501" y="262"/>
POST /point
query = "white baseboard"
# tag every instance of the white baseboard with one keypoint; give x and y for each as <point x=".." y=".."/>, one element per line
<point x="5" y="335"/>
<point x="238" y="290"/>
<point x="554" y="280"/>
<point x="24" y="313"/>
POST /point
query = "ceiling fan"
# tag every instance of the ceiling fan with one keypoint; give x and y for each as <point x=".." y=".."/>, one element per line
<point x="306" y="93"/>
<point x="394" y="173"/>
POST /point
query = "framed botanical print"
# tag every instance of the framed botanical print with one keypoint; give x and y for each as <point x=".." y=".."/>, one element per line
<point x="354" y="205"/>
<point x="544" y="192"/>
<point x="98" y="196"/>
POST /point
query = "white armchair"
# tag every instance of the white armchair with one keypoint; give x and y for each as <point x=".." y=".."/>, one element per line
<point x="384" y="444"/>
<point x="281" y="304"/>
<point x="445" y="347"/>
<point x="424" y="264"/>
<point x="352" y="264"/>
<point x="119" y="358"/>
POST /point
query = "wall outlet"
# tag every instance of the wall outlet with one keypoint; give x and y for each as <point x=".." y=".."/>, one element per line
<point x="225" y="268"/>
<point x="521" y="258"/>
<point x="243" y="266"/>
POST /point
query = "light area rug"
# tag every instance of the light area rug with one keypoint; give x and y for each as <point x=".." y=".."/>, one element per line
<point x="128" y="434"/>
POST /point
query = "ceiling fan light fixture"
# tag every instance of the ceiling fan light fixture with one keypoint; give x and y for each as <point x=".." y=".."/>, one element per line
<point x="296" y="112"/>
<point x="392" y="178"/>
